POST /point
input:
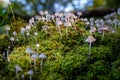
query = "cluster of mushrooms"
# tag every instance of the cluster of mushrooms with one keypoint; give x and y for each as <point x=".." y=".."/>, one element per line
<point x="67" y="20"/>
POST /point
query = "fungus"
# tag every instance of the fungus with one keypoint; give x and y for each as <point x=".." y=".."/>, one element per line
<point x="42" y="56"/>
<point x="30" y="72"/>
<point x="34" y="57"/>
<point x="17" y="69"/>
<point x="90" y="39"/>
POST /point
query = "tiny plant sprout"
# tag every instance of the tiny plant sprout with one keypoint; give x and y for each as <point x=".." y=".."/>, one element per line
<point x="8" y="54"/>
<point x="7" y="28"/>
<point x="34" y="57"/>
<point x="90" y="39"/>
<point x="37" y="46"/>
<point x="42" y="56"/>
<point x="27" y="33"/>
<point x="30" y="72"/>
<point x="12" y="40"/>
<point x="17" y="68"/>
<point x="29" y="51"/>
<point x="35" y="33"/>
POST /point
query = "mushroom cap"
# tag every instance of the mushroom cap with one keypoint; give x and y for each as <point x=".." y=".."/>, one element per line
<point x="29" y="50"/>
<point x="37" y="45"/>
<point x="67" y="23"/>
<point x="34" y="56"/>
<point x="42" y="55"/>
<point x="18" y="68"/>
<point x="45" y="27"/>
<point x="14" y="33"/>
<point x="35" y="33"/>
<point x="90" y="39"/>
<point x="104" y="28"/>
<point x="12" y="39"/>
<point x="7" y="27"/>
<point x="58" y="22"/>
<point x="30" y="72"/>
<point x="93" y="29"/>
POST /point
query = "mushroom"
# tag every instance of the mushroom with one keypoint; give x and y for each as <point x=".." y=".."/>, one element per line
<point x="43" y="56"/>
<point x="30" y="72"/>
<point x="29" y="51"/>
<point x="58" y="23"/>
<point x="34" y="57"/>
<point x="67" y="24"/>
<point x="92" y="29"/>
<point x="8" y="54"/>
<point x="103" y="29"/>
<point x="7" y="28"/>
<point x="17" y="68"/>
<point x="90" y="39"/>
<point x="22" y="76"/>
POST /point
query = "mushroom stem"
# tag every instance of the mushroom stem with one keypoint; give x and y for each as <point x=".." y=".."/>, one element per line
<point x="90" y="44"/>
<point x="17" y="74"/>
<point x="22" y="76"/>
<point x="7" y="32"/>
<point x="59" y="31"/>
<point x="41" y="65"/>
<point x="115" y="26"/>
<point x="30" y="77"/>
<point x="66" y="32"/>
<point x="35" y="65"/>
<point x="29" y="59"/>
<point x="12" y="44"/>
<point x="7" y="54"/>
<point x="103" y="34"/>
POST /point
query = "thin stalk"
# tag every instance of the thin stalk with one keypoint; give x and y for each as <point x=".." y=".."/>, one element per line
<point x="35" y="65"/>
<point x="66" y="32"/>
<point x="41" y="65"/>
<point x="30" y="77"/>
<point x="17" y="74"/>
<point x="89" y="50"/>
<point x="59" y="31"/>
<point x="13" y="44"/>
<point x="22" y="76"/>
<point x="103" y="34"/>
<point x="12" y="12"/>
<point x="29" y="59"/>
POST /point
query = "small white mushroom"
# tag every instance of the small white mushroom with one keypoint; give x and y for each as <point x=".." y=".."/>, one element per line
<point x="34" y="57"/>
<point x="30" y="72"/>
<point x="42" y="56"/>
<point x="7" y="28"/>
<point x="29" y="51"/>
<point x="103" y="29"/>
<point x="90" y="39"/>
<point x="17" y="68"/>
